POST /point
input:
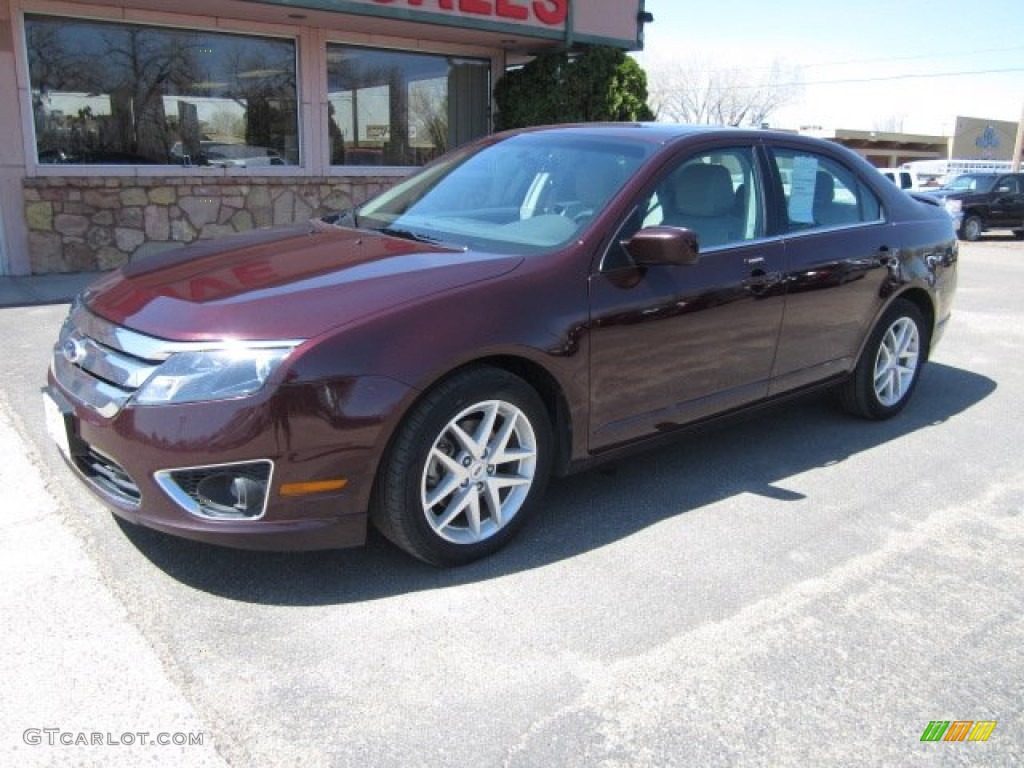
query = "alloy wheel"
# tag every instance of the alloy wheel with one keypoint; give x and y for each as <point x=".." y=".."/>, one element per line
<point x="896" y="362"/>
<point x="479" y="472"/>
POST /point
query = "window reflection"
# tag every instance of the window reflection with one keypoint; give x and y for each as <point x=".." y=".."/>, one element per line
<point x="106" y="93"/>
<point x="395" y="108"/>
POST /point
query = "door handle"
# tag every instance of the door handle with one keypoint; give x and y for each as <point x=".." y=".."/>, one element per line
<point x="759" y="280"/>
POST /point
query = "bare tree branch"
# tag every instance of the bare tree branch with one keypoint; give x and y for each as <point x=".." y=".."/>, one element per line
<point x="699" y="91"/>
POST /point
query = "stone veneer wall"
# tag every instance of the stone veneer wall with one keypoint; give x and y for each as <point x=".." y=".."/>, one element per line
<point x="79" y="224"/>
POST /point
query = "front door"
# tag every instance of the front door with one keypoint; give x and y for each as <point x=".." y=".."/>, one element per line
<point x="673" y="344"/>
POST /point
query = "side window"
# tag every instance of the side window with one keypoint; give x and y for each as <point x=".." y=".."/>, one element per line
<point x="821" y="193"/>
<point x="716" y="194"/>
<point x="1009" y="184"/>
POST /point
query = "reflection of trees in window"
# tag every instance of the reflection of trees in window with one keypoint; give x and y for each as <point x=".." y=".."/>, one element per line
<point x="106" y="92"/>
<point x="143" y="65"/>
<point x="56" y="68"/>
<point x="428" y="113"/>
<point x="360" y="104"/>
<point x="396" y="148"/>
<point x="395" y="108"/>
<point x="264" y="87"/>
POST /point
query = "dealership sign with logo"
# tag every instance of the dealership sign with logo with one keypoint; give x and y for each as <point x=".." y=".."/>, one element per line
<point x="976" y="139"/>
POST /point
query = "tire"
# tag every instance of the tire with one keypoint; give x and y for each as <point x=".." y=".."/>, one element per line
<point x="971" y="229"/>
<point x="441" y="493"/>
<point x="1019" y="234"/>
<point x="890" y="365"/>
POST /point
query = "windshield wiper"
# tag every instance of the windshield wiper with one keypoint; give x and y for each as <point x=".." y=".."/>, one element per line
<point x="408" y="234"/>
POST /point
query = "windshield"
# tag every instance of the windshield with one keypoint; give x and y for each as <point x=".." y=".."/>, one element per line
<point x="972" y="182"/>
<point x="526" y="194"/>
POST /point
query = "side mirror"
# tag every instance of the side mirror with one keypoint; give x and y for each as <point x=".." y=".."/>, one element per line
<point x="668" y="246"/>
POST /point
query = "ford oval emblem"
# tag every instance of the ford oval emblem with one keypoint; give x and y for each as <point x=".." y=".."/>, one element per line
<point x="74" y="351"/>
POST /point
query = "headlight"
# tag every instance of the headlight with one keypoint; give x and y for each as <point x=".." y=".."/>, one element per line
<point x="953" y="207"/>
<point x="215" y="374"/>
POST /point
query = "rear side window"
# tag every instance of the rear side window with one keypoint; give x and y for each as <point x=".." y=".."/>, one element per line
<point x="822" y="194"/>
<point x="1009" y="184"/>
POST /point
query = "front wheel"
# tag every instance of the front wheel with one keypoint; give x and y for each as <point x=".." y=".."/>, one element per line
<point x="464" y="469"/>
<point x="971" y="229"/>
<point x="890" y="366"/>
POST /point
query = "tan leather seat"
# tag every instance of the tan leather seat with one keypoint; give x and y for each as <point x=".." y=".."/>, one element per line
<point x="703" y="199"/>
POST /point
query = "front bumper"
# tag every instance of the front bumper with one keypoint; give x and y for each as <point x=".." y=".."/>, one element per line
<point x="297" y="434"/>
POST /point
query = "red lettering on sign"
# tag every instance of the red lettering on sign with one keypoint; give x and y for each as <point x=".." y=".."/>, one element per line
<point x="551" y="12"/>
<point x="479" y="7"/>
<point x="507" y="9"/>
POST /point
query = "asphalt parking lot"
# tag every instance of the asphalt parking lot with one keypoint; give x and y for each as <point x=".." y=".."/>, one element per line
<point x="791" y="590"/>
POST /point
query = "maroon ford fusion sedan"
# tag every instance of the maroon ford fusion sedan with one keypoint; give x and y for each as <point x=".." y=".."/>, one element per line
<point x="524" y="306"/>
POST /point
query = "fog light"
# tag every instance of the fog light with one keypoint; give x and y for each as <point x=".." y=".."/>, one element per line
<point x="222" y="492"/>
<point x="230" y="495"/>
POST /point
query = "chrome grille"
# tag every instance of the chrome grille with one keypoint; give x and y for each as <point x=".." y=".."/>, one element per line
<point x="101" y="364"/>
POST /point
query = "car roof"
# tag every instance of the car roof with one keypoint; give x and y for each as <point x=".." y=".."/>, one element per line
<point x="657" y="133"/>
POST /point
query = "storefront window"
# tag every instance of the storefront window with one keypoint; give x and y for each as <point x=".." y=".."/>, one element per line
<point x="106" y="93"/>
<point x="398" y="108"/>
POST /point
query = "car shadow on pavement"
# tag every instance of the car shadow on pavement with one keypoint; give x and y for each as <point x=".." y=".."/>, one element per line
<point x="585" y="511"/>
<point x="999" y="237"/>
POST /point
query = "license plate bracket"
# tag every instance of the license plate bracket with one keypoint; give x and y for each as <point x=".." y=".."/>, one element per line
<point x="58" y="424"/>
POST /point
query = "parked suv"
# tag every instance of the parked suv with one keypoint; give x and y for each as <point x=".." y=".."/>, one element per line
<point x="979" y="202"/>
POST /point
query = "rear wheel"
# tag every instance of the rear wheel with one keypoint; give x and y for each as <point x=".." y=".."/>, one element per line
<point x="467" y="465"/>
<point x="889" y="368"/>
<point x="971" y="229"/>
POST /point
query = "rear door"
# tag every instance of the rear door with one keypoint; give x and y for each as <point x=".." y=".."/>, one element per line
<point x="837" y="242"/>
<point x="1007" y="209"/>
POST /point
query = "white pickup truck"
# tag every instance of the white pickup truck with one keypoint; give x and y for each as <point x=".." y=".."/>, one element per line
<point x="903" y="178"/>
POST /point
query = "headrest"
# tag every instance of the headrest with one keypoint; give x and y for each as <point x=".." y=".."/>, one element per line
<point x="824" y="187"/>
<point x="596" y="183"/>
<point x="703" y="189"/>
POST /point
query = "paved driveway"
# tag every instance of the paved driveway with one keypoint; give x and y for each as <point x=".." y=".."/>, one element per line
<point x="792" y="590"/>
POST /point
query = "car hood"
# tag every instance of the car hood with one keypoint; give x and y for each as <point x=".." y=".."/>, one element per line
<point x="295" y="282"/>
